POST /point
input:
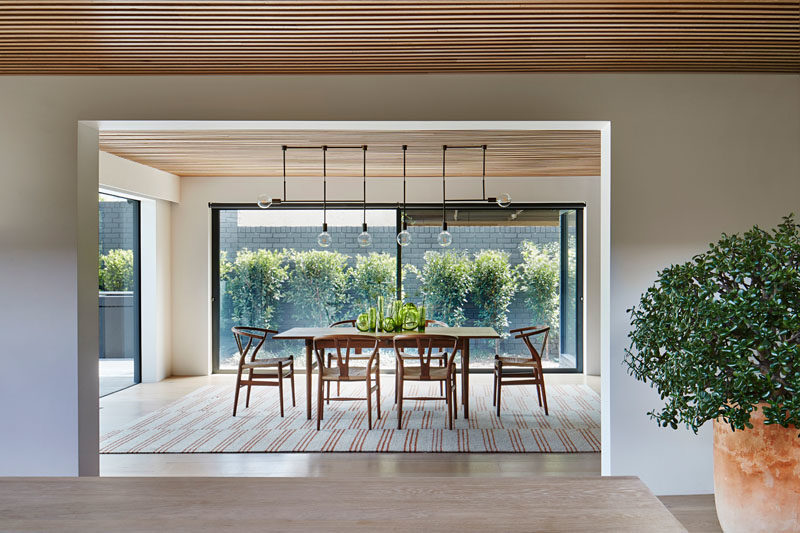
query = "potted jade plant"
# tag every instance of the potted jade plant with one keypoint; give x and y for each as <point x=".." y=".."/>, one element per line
<point x="719" y="338"/>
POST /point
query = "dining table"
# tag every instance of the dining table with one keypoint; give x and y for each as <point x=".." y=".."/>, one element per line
<point x="464" y="334"/>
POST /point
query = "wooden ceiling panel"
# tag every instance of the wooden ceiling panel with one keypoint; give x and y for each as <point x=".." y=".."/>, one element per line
<point x="259" y="152"/>
<point x="329" y="36"/>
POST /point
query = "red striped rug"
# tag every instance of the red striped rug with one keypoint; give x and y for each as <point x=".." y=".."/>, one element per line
<point x="201" y="422"/>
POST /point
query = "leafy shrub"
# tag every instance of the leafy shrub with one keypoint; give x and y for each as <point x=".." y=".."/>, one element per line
<point x="494" y="283"/>
<point x="539" y="275"/>
<point x="116" y="270"/>
<point x="373" y="275"/>
<point x="719" y="334"/>
<point x="318" y="285"/>
<point x="445" y="281"/>
<point x="254" y="283"/>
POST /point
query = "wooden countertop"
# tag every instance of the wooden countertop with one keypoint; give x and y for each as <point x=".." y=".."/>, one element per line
<point x="338" y="503"/>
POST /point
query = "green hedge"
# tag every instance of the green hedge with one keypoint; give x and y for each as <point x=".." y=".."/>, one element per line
<point x="254" y="283"/>
<point x="539" y="275"/>
<point x="116" y="270"/>
<point x="494" y="284"/>
<point x="318" y="284"/>
<point x="322" y="285"/>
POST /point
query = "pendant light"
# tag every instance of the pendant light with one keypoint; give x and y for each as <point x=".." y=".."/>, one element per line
<point x="324" y="238"/>
<point x="265" y="201"/>
<point x="503" y="199"/>
<point x="364" y="238"/>
<point x="404" y="237"/>
<point x="445" y="238"/>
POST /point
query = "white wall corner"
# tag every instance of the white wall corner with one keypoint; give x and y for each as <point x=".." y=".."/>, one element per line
<point x="132" y="178"/>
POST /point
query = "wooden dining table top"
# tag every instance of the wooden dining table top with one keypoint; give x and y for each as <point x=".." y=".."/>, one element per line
<point x="460" y="332"/>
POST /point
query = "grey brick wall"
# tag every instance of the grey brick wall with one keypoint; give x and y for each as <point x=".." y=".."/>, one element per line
<point x="116" y="226"/>
<point x="467" y="239"/>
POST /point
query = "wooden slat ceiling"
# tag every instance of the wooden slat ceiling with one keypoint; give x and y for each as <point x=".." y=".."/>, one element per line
<point x="327" y="36"/>
<point x="259" y="152"/>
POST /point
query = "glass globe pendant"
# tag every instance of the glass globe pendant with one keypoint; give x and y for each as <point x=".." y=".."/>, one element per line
<point x="264" y="201"/>
<point x="445" y="238"/>
<point x="324" y="238"/>
<point x="504" y="200"/>
<point x="364" y="238"/>
<point x="404" y="237"/>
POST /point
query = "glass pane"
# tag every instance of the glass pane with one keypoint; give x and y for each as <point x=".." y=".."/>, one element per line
<point x="504" y="270"/>
<point x="119" y="293"/>
<point x="274" y="274"/>
<point x="569" y="301"/>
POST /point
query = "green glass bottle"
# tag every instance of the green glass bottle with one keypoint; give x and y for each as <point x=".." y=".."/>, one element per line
<point x="380" y="313"/>
<point x="421" y="323"/>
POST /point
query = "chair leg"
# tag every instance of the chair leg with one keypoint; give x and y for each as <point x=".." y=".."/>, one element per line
<point x="539" y="394"/>
<point x="368" y="381"/>
<point x="280" y="386"/>
<point x="499" y="392"/>
<point x="454" y="399"/>
<point x="236" y="394"/>
<point x="328" y="386"/>
<point x="250" y="379"/>
<point x="448" y="398"/>
<point x="320" y="403"/>
<point x="544" y="396"/>
<point x="378" y="390"/>
<point x="399" y="394"/>
<point x="441" y="383"/>
<point x="494" y="388"/>
<point x="291" y="381"/>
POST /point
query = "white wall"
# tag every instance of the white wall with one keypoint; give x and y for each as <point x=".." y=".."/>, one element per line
<point x="156" y="287"/>
<point x="693" y="155"/>
<point x="192" y="238"/>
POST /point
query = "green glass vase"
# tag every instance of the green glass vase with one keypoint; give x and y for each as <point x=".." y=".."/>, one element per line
<point x="373" y="319"/>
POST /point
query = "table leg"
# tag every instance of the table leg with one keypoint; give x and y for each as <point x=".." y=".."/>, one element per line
<point x="309" y="347"/>
<point x="465" y="377"/>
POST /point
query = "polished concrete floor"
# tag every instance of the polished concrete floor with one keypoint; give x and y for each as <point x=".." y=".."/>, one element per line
<point x="118" y="409"/>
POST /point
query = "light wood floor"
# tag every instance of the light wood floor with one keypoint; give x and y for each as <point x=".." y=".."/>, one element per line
<point x="116" y="410"/>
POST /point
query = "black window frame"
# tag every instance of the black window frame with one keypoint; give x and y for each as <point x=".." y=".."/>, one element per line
<point x="578" y="207"/>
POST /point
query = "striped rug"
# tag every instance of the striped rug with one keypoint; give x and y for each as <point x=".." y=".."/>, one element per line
<point x="201" y="422"/>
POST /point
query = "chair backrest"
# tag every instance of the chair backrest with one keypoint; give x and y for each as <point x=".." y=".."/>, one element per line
<point x="249" y="340"/>
<point x="343" y="346"/>
<point x="436" y="323"/>
<point x="528" y="336"/>
<point x="425" y="346"/>
<point x="343" y="323"/>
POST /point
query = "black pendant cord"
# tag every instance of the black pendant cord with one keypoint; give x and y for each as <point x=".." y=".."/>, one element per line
<point x="284" y="172"/>
<point x="364" y="173"/>
<point x="483" y="172"/>
<point x="324" y="188"/>
<point x="444" y="187"/>
<point x="405" y="224"/>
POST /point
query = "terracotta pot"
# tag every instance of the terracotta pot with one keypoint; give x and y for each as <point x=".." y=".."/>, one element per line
<point x="757" y="477"/>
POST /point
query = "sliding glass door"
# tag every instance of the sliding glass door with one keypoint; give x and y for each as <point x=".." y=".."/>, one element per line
<point x="119" y="294"/>
<point x="506" y="268"/>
